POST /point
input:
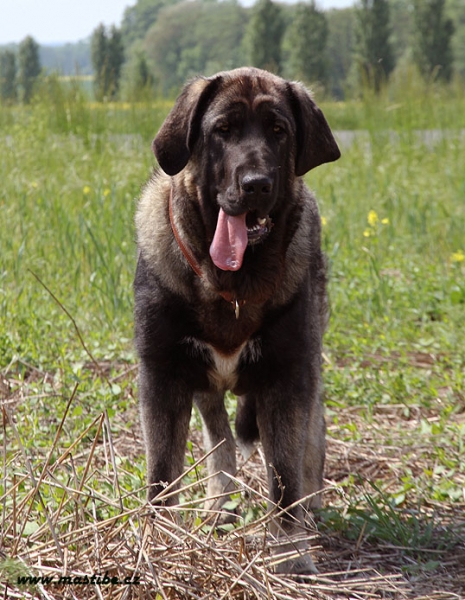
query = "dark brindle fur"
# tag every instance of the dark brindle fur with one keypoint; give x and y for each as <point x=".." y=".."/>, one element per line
<point x="232" y="152"/>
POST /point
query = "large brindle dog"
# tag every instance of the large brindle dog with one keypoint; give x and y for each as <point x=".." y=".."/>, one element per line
<point x="230" y="289"/>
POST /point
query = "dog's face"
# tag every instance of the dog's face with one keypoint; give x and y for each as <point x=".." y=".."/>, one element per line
<point x="254" y="135"/>
<point x="247" y="134"/>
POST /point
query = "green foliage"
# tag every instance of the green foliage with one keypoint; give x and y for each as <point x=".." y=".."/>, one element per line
<point x="138" y="81"/>
<point x="107" y="60"/>
<point x="457" y="14"/>
<point x="138" y="19"/>
<point x="376" y="516"/>
<point x="29" y="67"/>
<point x="115" y="60"/>
<point x="99" y="58"/>
<point x="263" y="36"/>
<point x="304" y="43"/>
<point x="8" y="89"/>
<point x="194" y="38"/>
<point x="339" y="49"/>
<point x="374" y="57"/>
<point x="69" y="102"/>
<point x="401" y="22"/>
<point x="73" y="171"/>
<point x="142" y="70"/>
<point x="433" y="39"/>
<point x="349" y="50"/>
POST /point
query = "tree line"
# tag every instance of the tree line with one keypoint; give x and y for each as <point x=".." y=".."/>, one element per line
<point x="340" y="50"/>
<point x="161" y="43"/>
<point x="19" y="72"/>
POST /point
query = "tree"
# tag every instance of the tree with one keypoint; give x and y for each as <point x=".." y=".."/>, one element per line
<point x="138" y="19"/>
<point x="374" y="57"/>
<point x="433" y="39"/>
<point x="138" y="82"/>
<point x="107" y="52"/>
<point x="263" y="36"/>
<point x="457" y="13"/>
<point x="305" y="42"/>
<point x="29" y="67"/>
<point x="340" y="48"/>
<point x="194" y="38"/>
<point x="400" y="12"/>
<point x="8" y="89"/>
<point x="99" y="59"/>
<point x="115" y="59"/>
<point x="143" y="77"/>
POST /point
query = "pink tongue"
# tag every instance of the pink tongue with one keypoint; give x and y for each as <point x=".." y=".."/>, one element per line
<point x="230" y="241"/>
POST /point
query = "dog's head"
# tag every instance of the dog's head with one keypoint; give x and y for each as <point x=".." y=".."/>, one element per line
<point x="247" y="133"/>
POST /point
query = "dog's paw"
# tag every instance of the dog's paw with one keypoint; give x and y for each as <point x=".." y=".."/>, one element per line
<point x="291" y="555"/>
<point x="221" y="512"/>
<point x="226" y="516"/>
<point x="301" y="566"/>
<point x="246" y="448"/>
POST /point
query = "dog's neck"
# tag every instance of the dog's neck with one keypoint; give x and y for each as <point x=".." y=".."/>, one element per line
<point x="193" y="263"/>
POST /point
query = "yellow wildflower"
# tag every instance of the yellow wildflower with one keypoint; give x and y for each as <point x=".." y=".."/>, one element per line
<point x="367" y="232"/>
<point x="86" y="189"/>
<point x="372" y="218"/>
<point x="458" y="256"/>
<point x="106" y="192"/>
<point x="385" y="221"/>
<point x="324" y="221"/>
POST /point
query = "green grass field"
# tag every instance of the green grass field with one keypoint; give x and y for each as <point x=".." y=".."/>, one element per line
<point x="393" y="213"/>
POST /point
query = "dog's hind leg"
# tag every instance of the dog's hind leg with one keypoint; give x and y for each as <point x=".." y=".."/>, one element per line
<point x="246" y="425"/>
<point x="216" y="430"/>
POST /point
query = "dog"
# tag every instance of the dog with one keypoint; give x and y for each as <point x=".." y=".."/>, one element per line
<point x="230" y="290"/>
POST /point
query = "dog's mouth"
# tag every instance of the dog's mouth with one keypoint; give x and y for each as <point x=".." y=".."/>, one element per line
<point x="233" y="234"/>
<point x="258" y="228"/>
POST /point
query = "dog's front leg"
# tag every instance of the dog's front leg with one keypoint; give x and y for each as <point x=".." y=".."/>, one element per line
<point x="283" y="422"/>
<point x="165" y="410"/>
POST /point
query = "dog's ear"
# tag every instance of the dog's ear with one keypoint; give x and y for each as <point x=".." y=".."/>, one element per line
<point x="315" y="142"/>
<point x="173" y="143"/>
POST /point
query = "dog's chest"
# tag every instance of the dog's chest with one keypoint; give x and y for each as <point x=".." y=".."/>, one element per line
<point x="223" y="368"/>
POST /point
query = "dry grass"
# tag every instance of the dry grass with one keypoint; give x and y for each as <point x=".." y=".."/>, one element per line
<point x="180" y="554"/>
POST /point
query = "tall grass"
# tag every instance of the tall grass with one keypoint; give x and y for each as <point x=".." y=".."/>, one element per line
<point x="71" y="171"/>
<point x="407" y="104"/>
<point x="400" y="271"/>
<point x="70" y="183"/>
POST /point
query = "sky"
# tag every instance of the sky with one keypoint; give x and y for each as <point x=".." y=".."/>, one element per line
<point x="60" y="21"/>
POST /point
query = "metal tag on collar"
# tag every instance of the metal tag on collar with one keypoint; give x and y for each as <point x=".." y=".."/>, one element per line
<point x="237" y="308"/>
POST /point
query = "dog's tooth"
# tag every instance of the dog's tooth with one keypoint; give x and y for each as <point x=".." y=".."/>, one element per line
<point x="262" y="222"/>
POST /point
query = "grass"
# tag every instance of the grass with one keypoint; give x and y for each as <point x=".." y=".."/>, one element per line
<point x="72" y="468"/>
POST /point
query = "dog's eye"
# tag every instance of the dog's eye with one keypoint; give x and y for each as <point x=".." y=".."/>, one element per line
<point x="223" y="128"/>
<point x="278" y="128"/>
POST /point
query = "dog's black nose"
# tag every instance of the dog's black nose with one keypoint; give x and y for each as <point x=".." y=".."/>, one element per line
<point x="256" y="185"/>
